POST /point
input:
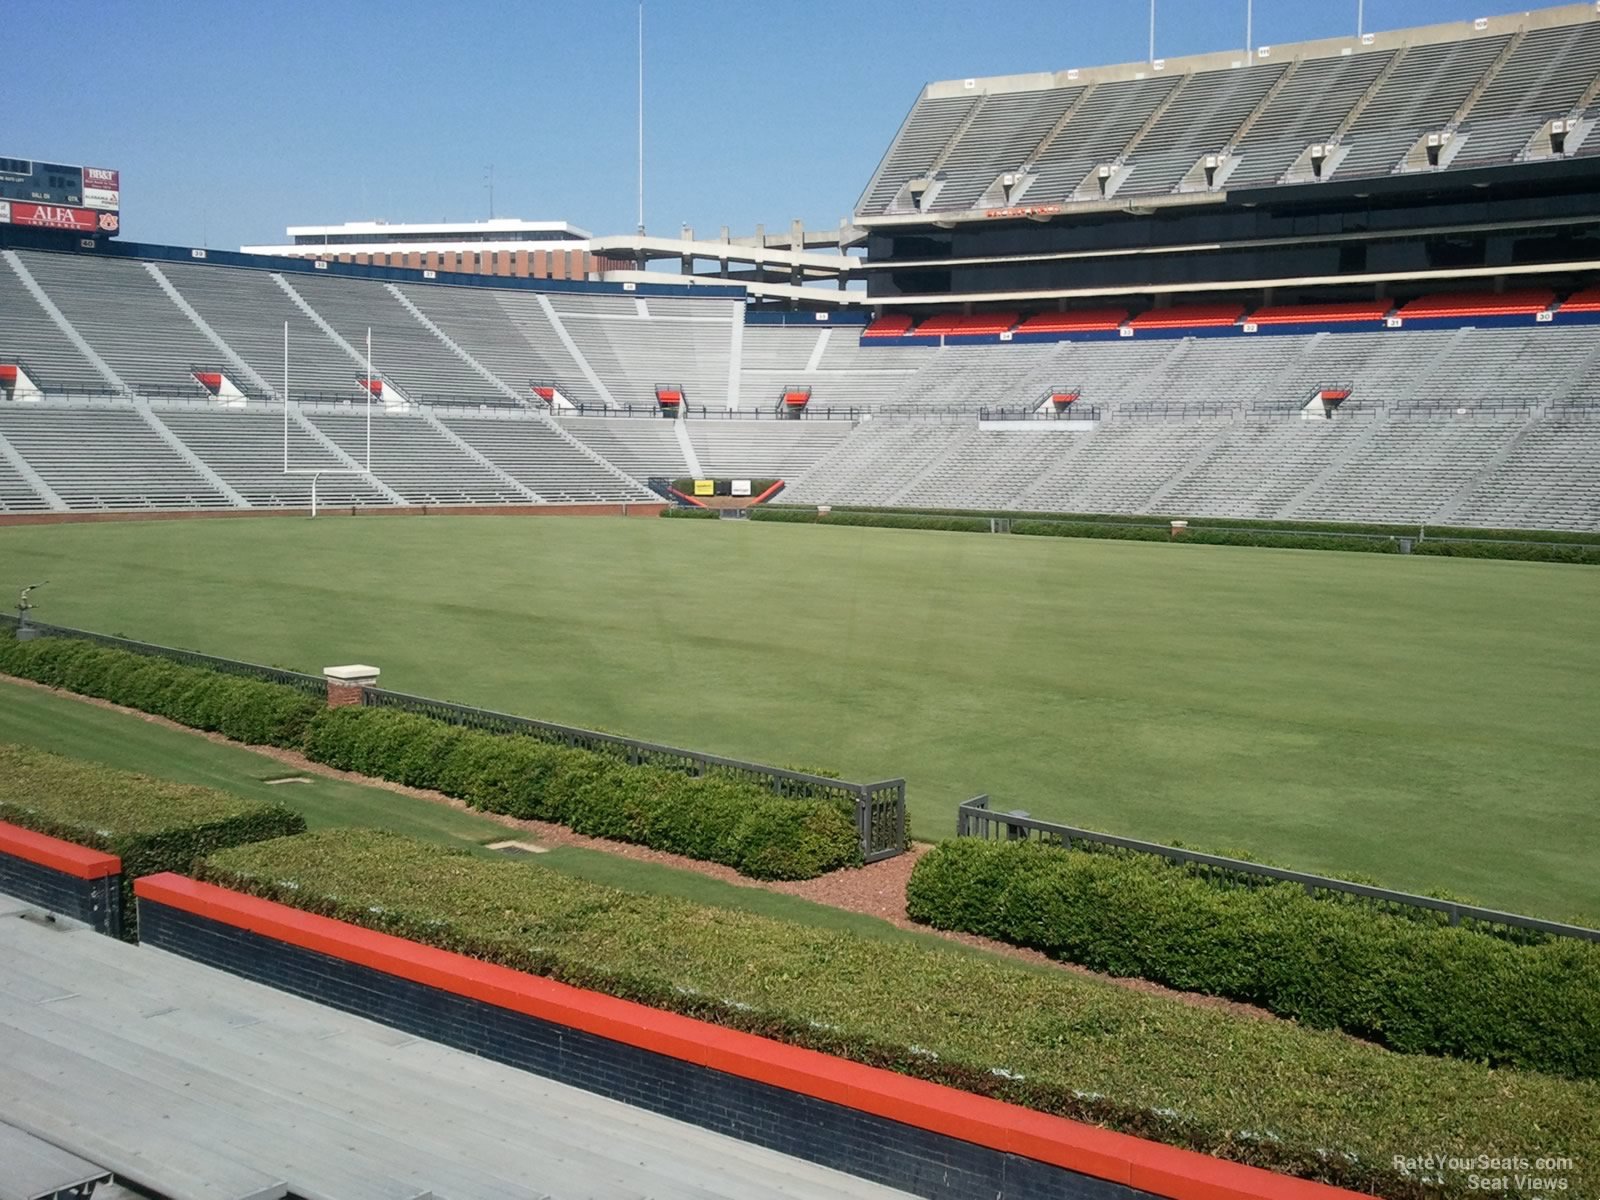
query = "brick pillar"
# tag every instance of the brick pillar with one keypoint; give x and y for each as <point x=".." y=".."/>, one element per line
<point x="345" y="684"/>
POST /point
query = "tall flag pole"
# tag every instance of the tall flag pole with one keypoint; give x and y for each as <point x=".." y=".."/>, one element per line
<point x="1152" y="30"/>
<point x="641" y="118"/>
<point x="286" y="397"/>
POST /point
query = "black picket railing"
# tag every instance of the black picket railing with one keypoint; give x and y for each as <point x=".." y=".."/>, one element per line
<point x="880" y="808"/>
<point x="311" y="684"/>
<point x="975" y="818"/>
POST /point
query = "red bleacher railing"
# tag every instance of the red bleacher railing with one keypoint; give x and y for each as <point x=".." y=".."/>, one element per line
<point x="1479" y="304"/>
<point x="1333" y="311"/>
<point x="1190" y="316"/>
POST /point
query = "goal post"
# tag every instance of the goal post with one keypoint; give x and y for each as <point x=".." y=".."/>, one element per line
<point x="316" y="473"/>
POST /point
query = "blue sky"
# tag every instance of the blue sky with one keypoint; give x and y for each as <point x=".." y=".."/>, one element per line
<point x="230" y="120"/>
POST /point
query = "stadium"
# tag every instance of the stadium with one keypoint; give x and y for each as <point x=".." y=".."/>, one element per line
<point x="1079" y="682"/>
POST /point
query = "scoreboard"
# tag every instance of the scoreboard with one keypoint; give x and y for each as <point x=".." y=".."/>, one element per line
<point x="45" y="195"/>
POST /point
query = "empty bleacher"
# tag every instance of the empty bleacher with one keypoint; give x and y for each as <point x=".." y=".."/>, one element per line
<point x="246" y="448"/>
<point x="409" y="455"/>
<point x="404" y="351"/>
<point x="1095" y="133"/>
<point x="16" y="494"/>
<point x="248" y="310"/>
<point x="1427" y="86"/>
<point x="1409" y="472"/>
<point x="120" y="310"/>
<point x="1003" y="132"/>
<point x="509" y="333"/>
<point x="635" y="344"/>
<point x="1201" y="119"/>
<point x="30" y="337"/>
<point x="1545" y="77"/>
<point x="537" y="455"/>
<point x="643" y="448"/>
<point x="761" y="449"/>
<point x="876" y="463"/>
<point x="1488" y="90"/>
<point x="1443" y="419"/>
<point x="1308" y="109"/>
<point x="923" y="137"/>
<point x="103" y="457"/>
<point x="191" y="1083"/>
<point x="1550" y="479"/>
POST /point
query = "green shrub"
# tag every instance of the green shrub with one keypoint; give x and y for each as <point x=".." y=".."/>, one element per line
<point x="151" y="824"/>
<point x="1265" y="1092"/>
<point x="1522" y="551"/>
<point x="810" y="516"/>
<point x="717" y="818"/>
<point x="246" y="710"/>
<point x="1412" y="983"/>
<point x="694" y="514"/>
<point x="1526" y="545"/>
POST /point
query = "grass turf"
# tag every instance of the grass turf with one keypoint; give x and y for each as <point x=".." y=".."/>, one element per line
<point x="1428" y="722"/>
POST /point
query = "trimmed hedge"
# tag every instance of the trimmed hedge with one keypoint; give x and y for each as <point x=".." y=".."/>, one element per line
<point x="246" y="710"/>
<point x="715" y="818"/>
<point x="1535" y="546"/>
<point x="805" y="516"/>
<point x="1410" y="530"/>
<point x="1524" y="552"/>
<point x="701" y="514"/>
<point x="1119" y="531"/>
<point x="1270" y="1093"/>
<point x="1206" y="536"/>
<point x="1414" y="984"/>
<point x="151" y="824"/>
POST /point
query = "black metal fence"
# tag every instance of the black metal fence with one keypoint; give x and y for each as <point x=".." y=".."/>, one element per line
<point x="880" y="808"/>
<point x="975" y="818"/>
<point x="311" y="684"/>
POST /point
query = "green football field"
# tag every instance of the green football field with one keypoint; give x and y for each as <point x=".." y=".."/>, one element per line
<point x="1432" y="723"/>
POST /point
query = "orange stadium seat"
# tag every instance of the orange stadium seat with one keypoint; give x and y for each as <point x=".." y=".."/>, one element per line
<point x="889" y="325"/>
<point x="957" y="325"/>
<point x="1333" y="311"/>
<point x="1190" y="316"/>
<point x="1479" y="304"/>
<point x="1587" y="300"/>
<point x="1083" y="321"/>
